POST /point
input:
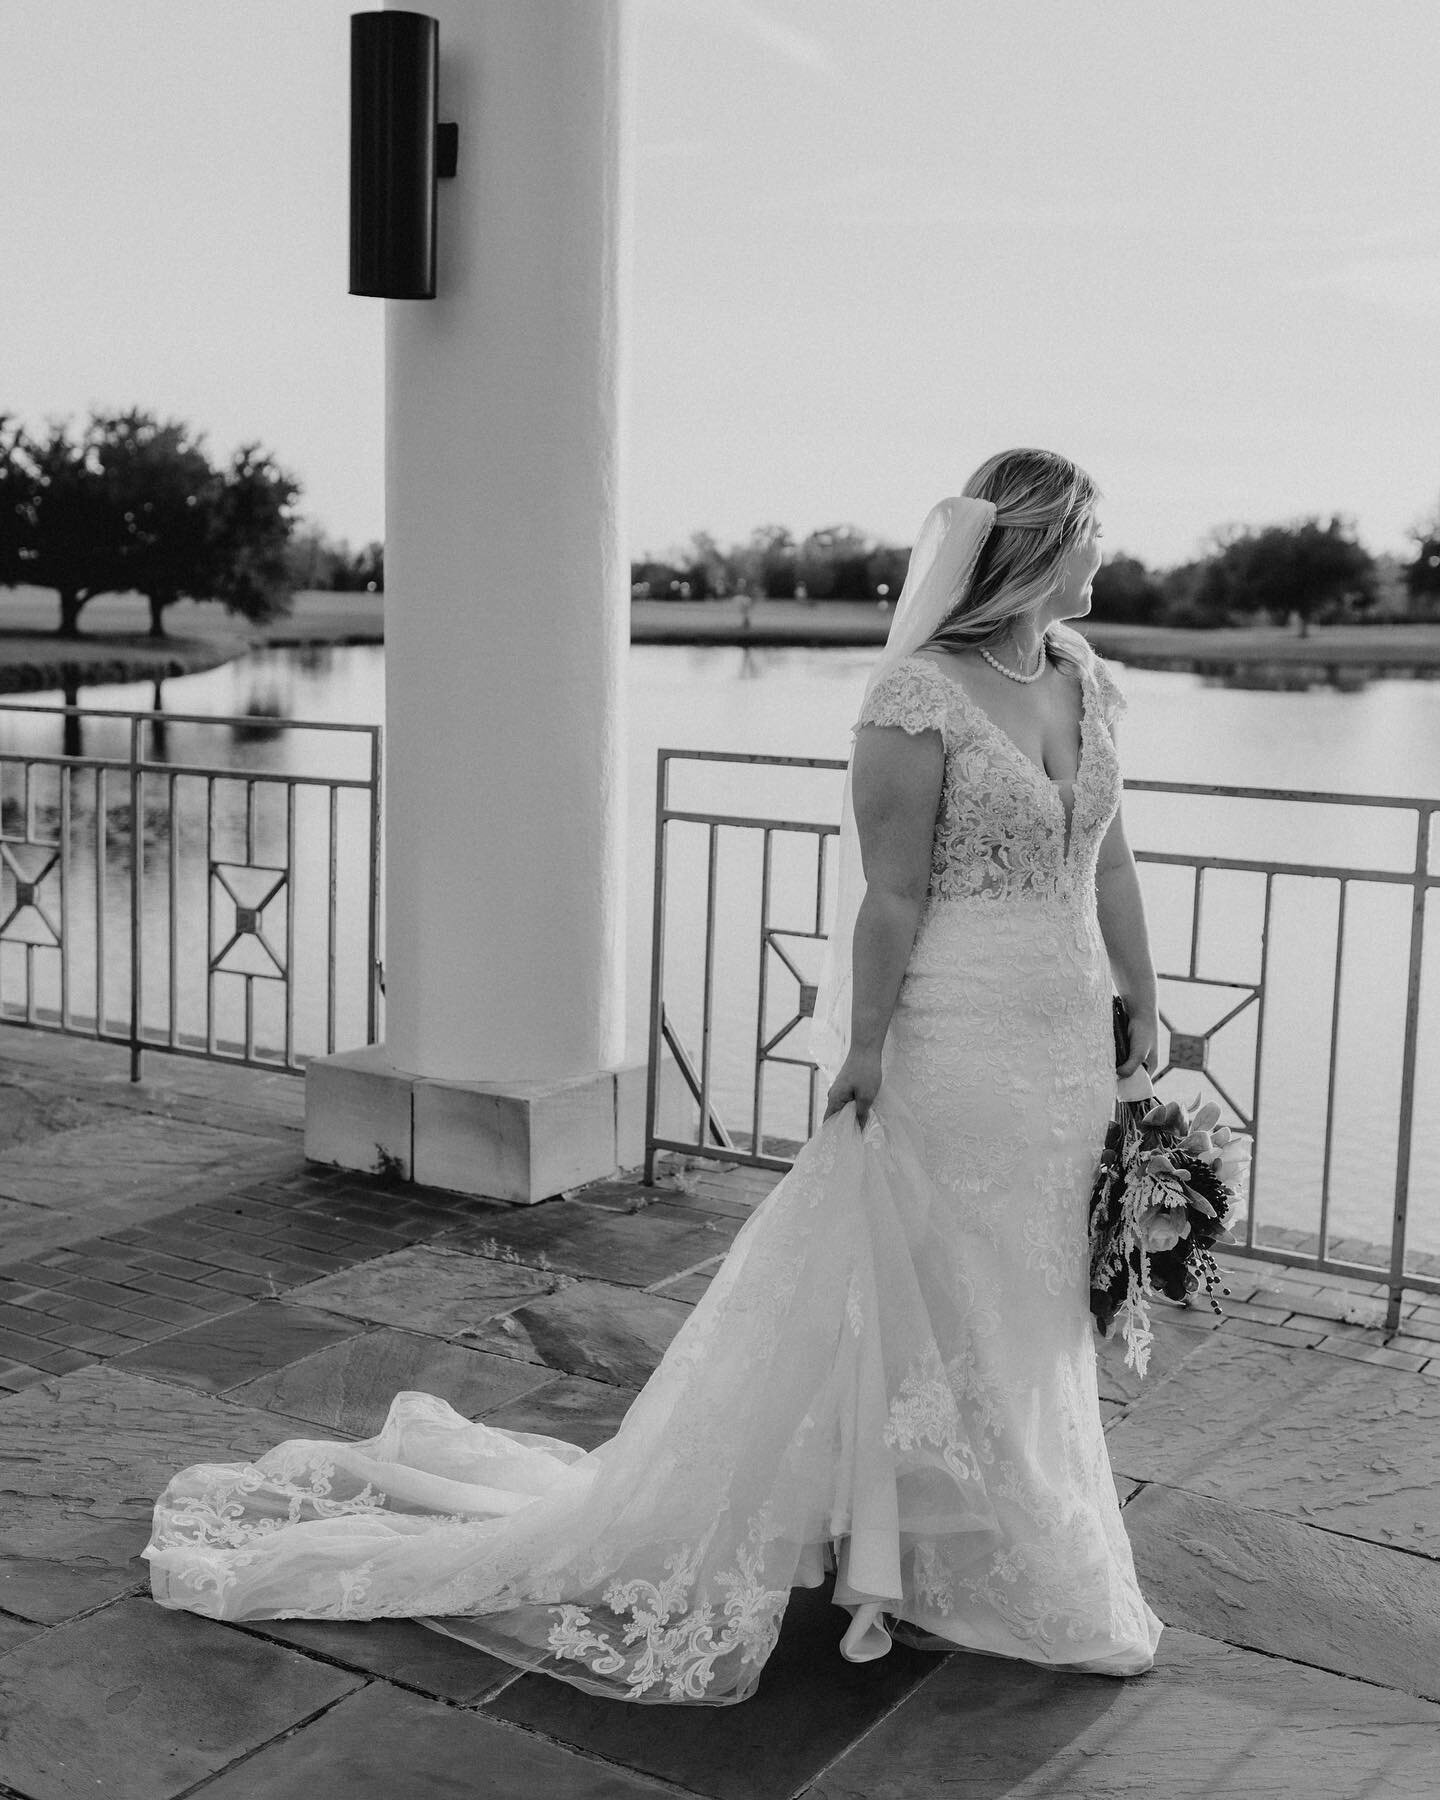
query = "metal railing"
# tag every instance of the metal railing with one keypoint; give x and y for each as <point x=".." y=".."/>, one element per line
<point x="183" y="906"/>
<point x="1244" y="999"/>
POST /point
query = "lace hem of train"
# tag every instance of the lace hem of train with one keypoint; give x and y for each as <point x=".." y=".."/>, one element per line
<point x="678" y="1638"/>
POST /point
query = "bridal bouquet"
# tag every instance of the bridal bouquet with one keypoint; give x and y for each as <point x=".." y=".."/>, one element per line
<point x="1164" y="1193"/>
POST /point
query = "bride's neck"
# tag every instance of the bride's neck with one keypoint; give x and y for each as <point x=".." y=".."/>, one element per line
<point x="1023" y="643"/>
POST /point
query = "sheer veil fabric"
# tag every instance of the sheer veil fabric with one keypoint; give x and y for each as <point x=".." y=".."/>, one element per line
<point x="942" y="561"/>
<point x="892" y="1374"/>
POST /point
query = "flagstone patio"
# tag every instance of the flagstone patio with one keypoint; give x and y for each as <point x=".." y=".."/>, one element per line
<point x="176" y="1284"/>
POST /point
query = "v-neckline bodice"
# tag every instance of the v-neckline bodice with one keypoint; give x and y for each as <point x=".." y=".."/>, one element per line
<point x="1053" y="787"/>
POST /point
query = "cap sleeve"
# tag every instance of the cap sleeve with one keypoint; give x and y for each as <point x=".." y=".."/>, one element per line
<point x="913" y="695"/>
<point x="1112" y="698"/>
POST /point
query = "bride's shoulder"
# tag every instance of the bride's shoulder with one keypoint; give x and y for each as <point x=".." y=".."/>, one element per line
<point x="912" y="694"/>
<point x="951" y="669"/>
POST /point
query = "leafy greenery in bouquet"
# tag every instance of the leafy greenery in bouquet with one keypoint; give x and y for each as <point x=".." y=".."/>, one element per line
<point x="1165" y="1191"/>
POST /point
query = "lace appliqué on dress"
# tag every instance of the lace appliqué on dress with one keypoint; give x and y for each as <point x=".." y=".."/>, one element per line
<point x="681" y="1641"/>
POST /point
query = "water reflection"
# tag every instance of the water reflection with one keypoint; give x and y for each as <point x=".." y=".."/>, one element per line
<point x="264" y="718"/>
<point x="1292" y="678"/>
<point x="160" y="727"/>
<point x="73" y="737"/>
<point x="314" y="659"/>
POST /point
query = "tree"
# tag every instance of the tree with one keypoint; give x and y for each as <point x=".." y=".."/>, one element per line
<point x="310" y="557"/>
<point x="885" y="571"/>
<point x="1305" y="569"/>
<point x="313" y="560"/>
<point x="651" y="579"/>
<point x="17" y="502"/>
<point x="704" y="567"/>
<point x="167" y="494"/>
<point x="360" y="571"/>
<point x="252" y="519"/>
<point x="61" y="528"/>
<point x="1124" y="590"/>
<point x="132" y="504"/>
<point x="1180" y="598"/>
<point x="834" y="563"/>
<point x="1422" y="572"/>
<point x="765" y="563"/>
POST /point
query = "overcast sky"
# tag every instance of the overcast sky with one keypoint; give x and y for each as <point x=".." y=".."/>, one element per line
<point x="1195" y="244"/>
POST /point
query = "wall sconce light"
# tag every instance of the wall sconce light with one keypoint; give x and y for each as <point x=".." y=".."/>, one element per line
<point x="398" y="150"/>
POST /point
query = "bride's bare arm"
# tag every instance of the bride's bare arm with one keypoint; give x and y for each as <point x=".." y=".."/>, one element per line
<point x="896" y="778"/>
<point x="1122" y="924"/>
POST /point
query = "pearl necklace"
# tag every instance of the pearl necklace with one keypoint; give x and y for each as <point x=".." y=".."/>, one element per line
<point x="1010" y="674"/>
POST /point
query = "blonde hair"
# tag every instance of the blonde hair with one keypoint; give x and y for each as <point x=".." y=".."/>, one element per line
<point x="1044" y="505"/>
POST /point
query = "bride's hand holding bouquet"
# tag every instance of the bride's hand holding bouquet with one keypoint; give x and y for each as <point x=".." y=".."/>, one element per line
<point x="1139" y="1046"/>
<point x="1167" y="1186"/>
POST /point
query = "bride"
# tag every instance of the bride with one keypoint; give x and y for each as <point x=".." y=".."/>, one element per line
<point x="893" y="1372"/>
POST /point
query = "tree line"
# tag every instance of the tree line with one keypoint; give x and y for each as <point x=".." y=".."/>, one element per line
<point x="130" y="503"/>
<point x="1307" y="570"/>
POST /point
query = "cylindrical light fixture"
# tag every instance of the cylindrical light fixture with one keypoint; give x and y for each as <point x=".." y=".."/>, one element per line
<point x="394" y="81"/>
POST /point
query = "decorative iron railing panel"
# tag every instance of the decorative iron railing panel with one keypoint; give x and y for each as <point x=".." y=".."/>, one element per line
<point x="1290" y="971"/>
<point x="208" y="910"/>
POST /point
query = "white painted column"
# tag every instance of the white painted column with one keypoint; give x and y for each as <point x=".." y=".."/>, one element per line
<point x="506" y="632"/>
<point x="506" y="605"/>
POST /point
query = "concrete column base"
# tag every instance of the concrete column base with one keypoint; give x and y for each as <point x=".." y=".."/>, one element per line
<point x="522" y="1141"/>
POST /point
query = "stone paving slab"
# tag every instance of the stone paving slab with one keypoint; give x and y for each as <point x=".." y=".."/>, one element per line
<point x="99" y="1296"/>
<point x="722" y="1222"/>
<point x="12" y="1633"/>
<point x="138" y="1703"/>
<point x="1209" y="1722"/>
<point x="570" y="1407"/>
<point x="55" y="1569"/>
<point x="689" y="1287"/>
<point x="810" y="1705"/>
<point x="1175" y="1340"/>
<point x="614" y="1334"/>
<point x="1268" y="1583"/>
<point x="1320" y="1438"/>
<point x="382" y="1744"/>
<point x="99" y="1445"/>
<point x="142" y="1167"/>
<point x="632" y="1250"/>
<point x="398" y="1650"/>
<point x="348" y="1387"/>
<point x="1297" y="1293"/>
<point x="225" y="1352"/>
<point x="426" y="1289"/>
<point x="1365" y="1349"/>
<point x="31" y="1108"/>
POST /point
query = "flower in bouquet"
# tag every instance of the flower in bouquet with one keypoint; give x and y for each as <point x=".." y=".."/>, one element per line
<point x="1166" y="1188"/>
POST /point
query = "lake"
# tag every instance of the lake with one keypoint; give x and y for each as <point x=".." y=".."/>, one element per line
<point x="1383" y="739"/>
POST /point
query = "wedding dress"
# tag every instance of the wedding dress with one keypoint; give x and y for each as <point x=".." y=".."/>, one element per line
<point x="892" y="1373"/>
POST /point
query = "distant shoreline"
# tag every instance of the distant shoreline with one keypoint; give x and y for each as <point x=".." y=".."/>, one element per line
<point x="1404" y="649"/>
<point x="114" y="647"/>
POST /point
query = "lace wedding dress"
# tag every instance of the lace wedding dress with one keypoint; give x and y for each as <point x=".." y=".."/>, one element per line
<point x="892" y="1373"/>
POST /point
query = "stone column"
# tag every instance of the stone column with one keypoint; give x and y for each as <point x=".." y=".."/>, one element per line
<point x="507" y="626"/>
